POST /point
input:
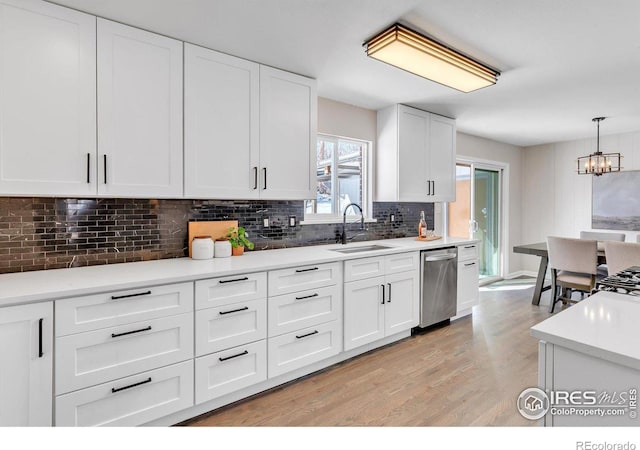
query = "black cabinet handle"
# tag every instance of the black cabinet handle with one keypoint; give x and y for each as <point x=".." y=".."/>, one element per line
<point x="307" y="335"/>
<point x="114" y="390"/>
<point x="222" y="313"/>
<point x="104" y="167"/>
<point x="40" y="352"/>
<point x="114" y="335"/>
<point x="389" y="299"/>
<point x="88" y="167"/>
<point x="433" y="191"/>
<point x="428" y="187"/>
<point x="234" y="280"/>
<point x="246" y="352"/>
<point x="470" y="264"/>
<point x="264" y="172"/>
<point x="255" y="178"/>
<point x="306" y="270"/>
<point x="118" y="297"/>
<point x="470" y="246"/>
<point x="382" y="286"/>
<point x="307" y="296"/>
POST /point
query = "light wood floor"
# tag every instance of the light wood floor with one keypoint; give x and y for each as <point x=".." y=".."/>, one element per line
<point x="467" y="374"/>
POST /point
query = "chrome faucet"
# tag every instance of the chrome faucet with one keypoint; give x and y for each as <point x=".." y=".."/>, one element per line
<point x="343" y="236"/>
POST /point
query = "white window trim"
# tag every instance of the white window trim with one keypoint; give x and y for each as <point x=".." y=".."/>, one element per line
<point x="315" y="219"/>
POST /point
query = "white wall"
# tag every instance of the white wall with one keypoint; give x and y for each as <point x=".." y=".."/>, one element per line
<point x="486" y="149"/>
<point x="345" y="120"/>
<point x="556" y="200"/>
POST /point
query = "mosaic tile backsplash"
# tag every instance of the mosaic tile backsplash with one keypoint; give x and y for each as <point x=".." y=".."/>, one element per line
<point x="51" y="233"/>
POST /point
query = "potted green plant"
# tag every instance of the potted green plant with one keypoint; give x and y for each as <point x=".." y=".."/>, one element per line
<point x="238" y="240"/>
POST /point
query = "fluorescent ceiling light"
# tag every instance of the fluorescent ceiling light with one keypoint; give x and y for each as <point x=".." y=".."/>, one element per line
<point x="410" y="51"/>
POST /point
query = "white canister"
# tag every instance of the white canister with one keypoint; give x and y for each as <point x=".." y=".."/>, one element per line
<point x="223" y="248"/>
<point x="202" y="247"/>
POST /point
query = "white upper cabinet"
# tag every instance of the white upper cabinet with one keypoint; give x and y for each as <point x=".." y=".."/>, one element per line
<point x="288" y="128"/>
<point x="221" y="119"/>
<point x="47" y="100"/>
<point x="415" y="156"/>
<point x="139" y="112"/>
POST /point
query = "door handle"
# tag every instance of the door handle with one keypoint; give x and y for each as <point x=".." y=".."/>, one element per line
<point x="383" y="299"/>
<point x="428" y="187"/>
<point x="40" y="351"/>
<point x="88" y="167"/>
<point x="104" y="167"/>
<point x="264" y="173"/>
<point x="433" y="191"/>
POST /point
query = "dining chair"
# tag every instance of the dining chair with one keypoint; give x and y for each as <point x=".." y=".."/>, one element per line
<point x="601" y="237"/>
<point x="574" y="265"/>
<point x="621" y="255"/>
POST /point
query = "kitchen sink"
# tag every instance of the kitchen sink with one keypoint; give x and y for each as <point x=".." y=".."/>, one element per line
<point x="363" y="248"/>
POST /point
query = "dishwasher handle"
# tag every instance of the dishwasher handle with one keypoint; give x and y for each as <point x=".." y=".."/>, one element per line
<point x="440" y="257"/>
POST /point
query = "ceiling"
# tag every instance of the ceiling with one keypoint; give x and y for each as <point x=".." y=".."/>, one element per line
<point x="563" y="62"/>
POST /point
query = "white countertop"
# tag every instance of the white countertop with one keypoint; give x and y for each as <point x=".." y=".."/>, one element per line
<point x="604" y="325"/>
<point x="29" y="287"/>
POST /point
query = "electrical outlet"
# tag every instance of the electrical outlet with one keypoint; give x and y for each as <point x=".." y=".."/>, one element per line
<point x="265" y="222"/>
<point x="292" y="221"/>
<point x="392" y="217"/>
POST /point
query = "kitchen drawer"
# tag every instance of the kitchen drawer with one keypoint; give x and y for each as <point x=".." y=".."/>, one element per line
<point x="92" y="312"/>
<point x="230" y="325"/>
<point x="95" y="357"/>
<point x="303" y="347"/>
<point x="129" y="401"/>
<point x="359" y="269"/>
<point x="292" y="312"/>
<point x="230" y="370"/>
<point x="303" y="278"/>
<point x="467" y="252"/>
<point x="232" y="289"/>
<point x="402" y="262"/>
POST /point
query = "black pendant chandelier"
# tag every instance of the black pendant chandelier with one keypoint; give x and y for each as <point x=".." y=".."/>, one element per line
<point x="599" y="163"/>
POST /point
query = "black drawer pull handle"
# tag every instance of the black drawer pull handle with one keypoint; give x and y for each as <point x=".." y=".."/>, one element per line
<point x="470" y="264"/>
<point x="114" y="390"/>
<point x="234" y="280"/>
<point x="114" y="335"/>
<point x="306" y="270"/>
<point x="470" y="246"/>
<point x="382" y="286"/>
<point x="255" y="178"/>
<point x="246" y="352"/>
<point x="307" y="296"/>
<point x="40" y="352"/>
<point x="389" y="299"/>
<point x="308" y="334"/>
<point x="105" y="168"/>
<point x="118" y="297"/>
<point x="88" y="167"/>
<point x="222" y="313"/>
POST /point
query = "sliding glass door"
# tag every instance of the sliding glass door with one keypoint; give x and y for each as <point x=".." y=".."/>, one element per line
<point x="476" y="213"/>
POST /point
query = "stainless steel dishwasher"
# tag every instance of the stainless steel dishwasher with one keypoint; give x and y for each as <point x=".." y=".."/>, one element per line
<point x="438" y="285"/>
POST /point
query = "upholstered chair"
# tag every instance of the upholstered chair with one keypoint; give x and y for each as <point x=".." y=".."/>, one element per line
<point x="621" y="255"/>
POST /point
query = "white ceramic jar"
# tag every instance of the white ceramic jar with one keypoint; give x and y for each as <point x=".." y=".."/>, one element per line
<point x="202" y="247"/>
<point x="222" y="249"/>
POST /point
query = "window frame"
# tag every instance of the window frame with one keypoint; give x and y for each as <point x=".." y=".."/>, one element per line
<point x="366" y="175"/>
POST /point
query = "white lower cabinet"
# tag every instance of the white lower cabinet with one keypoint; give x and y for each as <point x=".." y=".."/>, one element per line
<point x="468" y="278"/>
<point x="383" y="305"/>
<point x="26" y="372"/>
<point x="230" y="370"/>
<point x="231" y="325"/>
<point x="303" y="347"/>
<point x="94" y="357"/>
<point x="129" y="401"/>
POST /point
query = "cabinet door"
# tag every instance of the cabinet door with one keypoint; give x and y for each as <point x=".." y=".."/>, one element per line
<point x="27" y="365"/>
<point x="413" y="135"/>
<point x="139" y="112"/>
<point x="288" y="125"/>
<point x="47" y="100"/>
<point x="442" y="158"/>
<point x="363" y="312"/>
<point x="401" y="308"/>
<point x="468" y="276"/>
<point x="221" y="114"/>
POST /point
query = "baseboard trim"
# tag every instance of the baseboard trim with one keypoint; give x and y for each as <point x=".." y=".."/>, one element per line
<point x="520" y="273"/>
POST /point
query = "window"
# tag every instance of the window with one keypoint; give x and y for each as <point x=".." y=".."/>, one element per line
<point x="342" y="169"/>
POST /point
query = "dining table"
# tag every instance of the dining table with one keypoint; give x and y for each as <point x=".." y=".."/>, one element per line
<point x="540" y="249"/>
